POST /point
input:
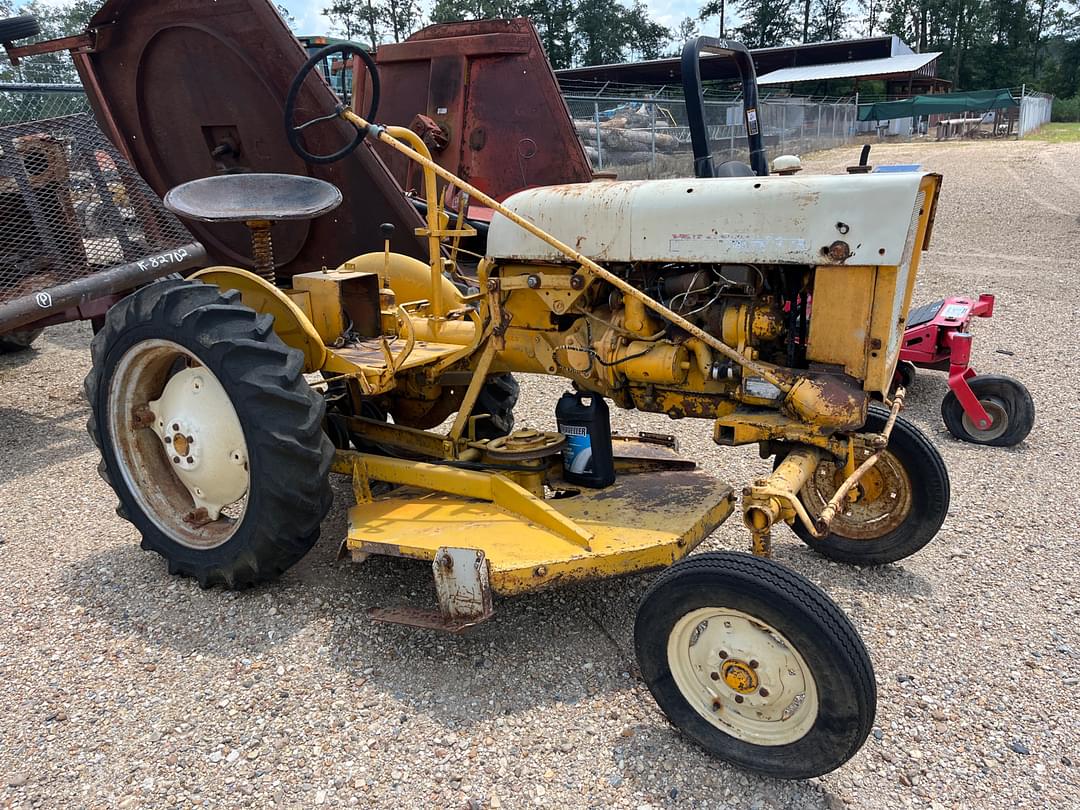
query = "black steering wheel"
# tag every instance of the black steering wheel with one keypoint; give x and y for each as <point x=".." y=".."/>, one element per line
<point x="293" y="132"/>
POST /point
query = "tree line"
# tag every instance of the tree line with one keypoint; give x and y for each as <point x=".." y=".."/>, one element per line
<point x="984" y="43"/>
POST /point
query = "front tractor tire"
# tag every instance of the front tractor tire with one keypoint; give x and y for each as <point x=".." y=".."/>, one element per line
<point x="756" y="664"/>
<point x="209" y="434"/>
<point x="902" y="500"/>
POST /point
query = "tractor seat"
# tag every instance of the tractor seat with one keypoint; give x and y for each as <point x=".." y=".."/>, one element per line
<point x="924" y="314"/>
<point x="733" y="168"/>
<point x="253" y="197"/>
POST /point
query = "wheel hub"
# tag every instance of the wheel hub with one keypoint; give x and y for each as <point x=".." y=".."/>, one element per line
<point x="882" y="502"/>
<point x="740" y="676"/>
<point x="743" y="676"/>
<point x="202" y="438"/>
<point x="999" y="420"/>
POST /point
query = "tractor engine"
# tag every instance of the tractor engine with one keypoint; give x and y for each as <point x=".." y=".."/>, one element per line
<point x="782" y="274"/>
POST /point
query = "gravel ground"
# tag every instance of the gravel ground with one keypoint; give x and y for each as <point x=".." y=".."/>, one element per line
<point x="123" y="687"/>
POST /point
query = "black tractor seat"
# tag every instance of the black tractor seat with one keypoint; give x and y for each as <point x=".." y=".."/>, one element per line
<point x="924" y="314"/>
<point x="251" y="197"/>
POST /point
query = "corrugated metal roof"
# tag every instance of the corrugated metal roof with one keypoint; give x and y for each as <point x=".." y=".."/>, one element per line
<point x="902" y="63"/>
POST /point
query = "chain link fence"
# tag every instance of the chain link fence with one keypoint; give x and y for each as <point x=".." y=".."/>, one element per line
<point x="1035" y="110"/>
<point x="72" y="211"/>
<point x="641" y="135"/>
<point x="21" y="102"/>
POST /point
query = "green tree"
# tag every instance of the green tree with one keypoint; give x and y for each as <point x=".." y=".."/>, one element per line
<point x="645" y="37"/>
<point x="402" y="17"/>
<point x="766" y="23"/>
<point x="715" y="8"/>
<point x="286" y="15"/>
<point x="684" y="32"/>
<point x="356" y="18"/>
<point x="456" y="10"/>
<point x="829" y="20"/>
<point x="554" y="21"/>
<point x="871" y="11"/>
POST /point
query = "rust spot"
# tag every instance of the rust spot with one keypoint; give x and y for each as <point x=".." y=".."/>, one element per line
<point x="197" y="518"/>
<point x="142" y="417"/>
<point x="180" y="442"/>
<point x="434" y="136"/>
<point x="839" y="251"/>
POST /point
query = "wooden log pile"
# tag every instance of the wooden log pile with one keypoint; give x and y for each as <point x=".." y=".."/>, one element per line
<point x="627" y="137"/>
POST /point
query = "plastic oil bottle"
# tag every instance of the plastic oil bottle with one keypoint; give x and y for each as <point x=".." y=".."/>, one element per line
<point x="588" y="458"/>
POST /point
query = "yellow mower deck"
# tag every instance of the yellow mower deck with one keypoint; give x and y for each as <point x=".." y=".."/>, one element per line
<point x="641" y="522"/>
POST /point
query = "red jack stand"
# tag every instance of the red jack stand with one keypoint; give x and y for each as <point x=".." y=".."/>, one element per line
<point x="988" y="409"/>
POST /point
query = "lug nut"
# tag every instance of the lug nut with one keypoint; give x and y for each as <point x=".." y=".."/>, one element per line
<point x="176" y="427"/>
<point x="723" y="653"/>
<point x="714" y="675"/>
<point x="753" y="664"/>
<point x="738" y="698"/>
<point x="176" y="460"/>
<point x="190" y="460"/>
<point x="763" y="692"/>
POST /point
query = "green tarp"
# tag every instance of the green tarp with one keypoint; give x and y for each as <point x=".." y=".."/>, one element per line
<point x="938" y="104"/>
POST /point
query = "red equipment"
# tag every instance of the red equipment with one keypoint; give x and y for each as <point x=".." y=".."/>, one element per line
<point x="988" y="409"/>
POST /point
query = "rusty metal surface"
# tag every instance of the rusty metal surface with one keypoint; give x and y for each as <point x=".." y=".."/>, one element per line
<point x="422" y="619"/>
<point x="197" y="88"/>
<point x="648" y="452"/>
<point x="489" y="87"/>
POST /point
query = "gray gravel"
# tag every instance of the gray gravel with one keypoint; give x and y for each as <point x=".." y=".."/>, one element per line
<point x="123" y="687"/>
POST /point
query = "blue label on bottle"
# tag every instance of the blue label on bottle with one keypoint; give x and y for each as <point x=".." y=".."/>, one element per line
<point x="578" y="453"/>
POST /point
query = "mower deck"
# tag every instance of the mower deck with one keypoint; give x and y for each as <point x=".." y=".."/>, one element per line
<point x="639" y="523"/>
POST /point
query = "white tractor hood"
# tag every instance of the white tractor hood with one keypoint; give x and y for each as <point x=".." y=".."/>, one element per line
<point x="731" y="220"/>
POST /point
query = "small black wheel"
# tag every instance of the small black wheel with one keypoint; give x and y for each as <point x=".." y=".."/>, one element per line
<point x="209" y="434"/>
<point x="16" y="28"/>
<point x="905" y="374"/>
<point x="18" y="341"/>
<point x="293" y="131"/>
<point x="756" y="664"/>
<point x="497" y="399"/>
<point x="902" y="500"/>
<point x="1006" y="401"/>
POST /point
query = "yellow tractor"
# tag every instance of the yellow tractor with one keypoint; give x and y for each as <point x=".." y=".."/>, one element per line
<point x="771" y="307"/>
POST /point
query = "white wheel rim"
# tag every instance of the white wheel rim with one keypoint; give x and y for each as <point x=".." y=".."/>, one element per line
<point x="743" y="676"/>
<point x="178" y="444"/>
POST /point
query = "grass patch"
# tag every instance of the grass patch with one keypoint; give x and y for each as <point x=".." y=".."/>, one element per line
<point x="1057" y="133"/>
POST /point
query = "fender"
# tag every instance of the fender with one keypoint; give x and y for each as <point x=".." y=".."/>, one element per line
<point x="291" y="323"/>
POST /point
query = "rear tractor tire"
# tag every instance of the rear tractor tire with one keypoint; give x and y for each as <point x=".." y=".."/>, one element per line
<point x="1006" y="401"/>
<point x="756" y="665"/>
<point x="209" y="434"/>
<point x="906" y="374"/>
<point x="18" y="341"/>
<point x="902" y="500"/>
<point x="497" y="399"/>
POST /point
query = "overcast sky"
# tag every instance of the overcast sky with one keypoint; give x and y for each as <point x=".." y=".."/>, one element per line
<point x="310" y="20"/>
